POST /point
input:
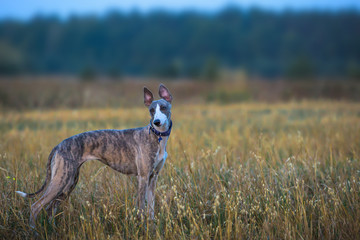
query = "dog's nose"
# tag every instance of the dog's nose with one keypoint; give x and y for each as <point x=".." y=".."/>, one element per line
<point x="157" y="122"/>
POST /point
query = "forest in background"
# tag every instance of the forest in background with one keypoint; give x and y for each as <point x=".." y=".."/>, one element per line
<point x="189" y="44"/>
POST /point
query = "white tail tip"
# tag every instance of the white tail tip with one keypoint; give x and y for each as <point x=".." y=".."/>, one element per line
<point x="21" y="193"/>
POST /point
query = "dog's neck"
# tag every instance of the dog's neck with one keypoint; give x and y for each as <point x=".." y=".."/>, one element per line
<point x="160" y="134"/>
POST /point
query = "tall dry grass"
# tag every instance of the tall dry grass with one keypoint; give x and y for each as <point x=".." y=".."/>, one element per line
<point x="28" y="93"/>
<point x="253" y="171"/>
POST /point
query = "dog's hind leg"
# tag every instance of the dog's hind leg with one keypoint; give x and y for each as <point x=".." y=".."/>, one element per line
<point x="51" y="209"/>
<point x="61" y="184"/>
<point x="50" y="194"/>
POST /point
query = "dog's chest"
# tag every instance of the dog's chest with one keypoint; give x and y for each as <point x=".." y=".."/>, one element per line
<point x="160" y="158"/>
<point x="160" y="161"/>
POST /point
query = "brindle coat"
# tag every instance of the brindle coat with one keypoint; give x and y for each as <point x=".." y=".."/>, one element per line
<point x="131" y="151"/>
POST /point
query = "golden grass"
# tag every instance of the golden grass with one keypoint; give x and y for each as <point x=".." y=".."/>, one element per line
<point x="258" y="171"/>
<point x="28" y="93"/>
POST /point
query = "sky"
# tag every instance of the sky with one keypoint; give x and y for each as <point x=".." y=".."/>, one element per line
<point x="25" y="9"/>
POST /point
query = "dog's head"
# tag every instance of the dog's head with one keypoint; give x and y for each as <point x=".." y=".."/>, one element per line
<point x="160" y="110"/>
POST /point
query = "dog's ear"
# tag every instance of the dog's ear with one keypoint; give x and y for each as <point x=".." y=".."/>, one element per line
<point x="148" y="97"/>
<point x="165" y="93"/>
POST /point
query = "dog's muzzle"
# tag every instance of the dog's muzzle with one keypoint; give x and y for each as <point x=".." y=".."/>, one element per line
<point x="157" y="122"/>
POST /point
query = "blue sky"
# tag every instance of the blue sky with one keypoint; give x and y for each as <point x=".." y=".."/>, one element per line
<point x="24" y="9"/>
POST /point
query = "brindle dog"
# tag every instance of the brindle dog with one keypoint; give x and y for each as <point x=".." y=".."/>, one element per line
<point x="139" y="151"/>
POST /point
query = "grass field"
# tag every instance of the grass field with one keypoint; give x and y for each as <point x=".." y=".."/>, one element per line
<point x="250" y="170"/>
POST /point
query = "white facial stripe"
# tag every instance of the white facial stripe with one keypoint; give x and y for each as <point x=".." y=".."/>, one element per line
<point x="159" y="115"/>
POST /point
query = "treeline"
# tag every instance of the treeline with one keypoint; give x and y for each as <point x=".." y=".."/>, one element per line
<point x="187" y="44"/>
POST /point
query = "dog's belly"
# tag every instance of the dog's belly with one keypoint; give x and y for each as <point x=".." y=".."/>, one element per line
<point x="114" y="148"/>
<point x="126" y="167"/>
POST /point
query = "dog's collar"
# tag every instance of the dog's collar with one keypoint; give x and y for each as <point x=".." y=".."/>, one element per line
<point x="160" y="134"/>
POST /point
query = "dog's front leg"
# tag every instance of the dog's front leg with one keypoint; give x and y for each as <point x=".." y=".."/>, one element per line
<point x="151" y="196"/>
<point x="142" y="192"/>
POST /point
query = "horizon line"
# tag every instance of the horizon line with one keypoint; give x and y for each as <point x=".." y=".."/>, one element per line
<point x="146" y="12"/>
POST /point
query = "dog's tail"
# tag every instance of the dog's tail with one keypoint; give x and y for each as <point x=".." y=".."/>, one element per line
<point x="48" y="176"/>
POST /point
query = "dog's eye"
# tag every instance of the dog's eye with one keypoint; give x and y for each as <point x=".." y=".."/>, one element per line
<point x="152" y="111"/>
<point x="163" y="108"/>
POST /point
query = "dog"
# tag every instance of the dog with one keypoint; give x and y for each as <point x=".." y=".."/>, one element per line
<point x="139" y="151"/>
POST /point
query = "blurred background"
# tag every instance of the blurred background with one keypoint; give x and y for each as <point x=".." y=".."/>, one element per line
<point x="74" y="54"/>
